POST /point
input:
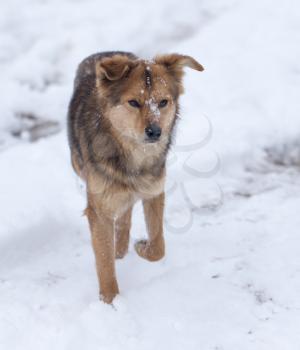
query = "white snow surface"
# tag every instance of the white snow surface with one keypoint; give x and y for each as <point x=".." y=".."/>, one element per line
<point x="231" y="276"/>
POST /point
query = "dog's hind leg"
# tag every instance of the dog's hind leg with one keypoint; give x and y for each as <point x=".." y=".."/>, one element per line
<point x="153" y="249"/>
<point x="122" y="230"/>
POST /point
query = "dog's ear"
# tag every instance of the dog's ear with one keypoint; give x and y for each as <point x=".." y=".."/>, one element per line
<point x="114" y="68"/>
<point x="175" y="63"/>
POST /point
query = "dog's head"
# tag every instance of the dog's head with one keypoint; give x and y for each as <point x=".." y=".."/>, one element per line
<point x="141" y="97"/>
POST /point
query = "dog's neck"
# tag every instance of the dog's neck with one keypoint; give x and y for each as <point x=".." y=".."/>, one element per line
<point x="126" y="162"/>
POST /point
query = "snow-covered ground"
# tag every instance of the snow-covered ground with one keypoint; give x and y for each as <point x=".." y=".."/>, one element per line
<point x="231" y="276"/>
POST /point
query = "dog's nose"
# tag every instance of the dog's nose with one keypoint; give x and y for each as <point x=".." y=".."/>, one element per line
<point x="153" y="131"/>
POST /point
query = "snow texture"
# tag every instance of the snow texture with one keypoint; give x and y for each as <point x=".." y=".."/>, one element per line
<point x="231" y="276"/>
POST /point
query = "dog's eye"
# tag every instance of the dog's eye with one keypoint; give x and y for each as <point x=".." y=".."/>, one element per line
<point x="162" y="103"/>
<point x="134" y="103"/>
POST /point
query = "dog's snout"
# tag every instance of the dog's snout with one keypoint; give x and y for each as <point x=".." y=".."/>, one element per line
<point x="153" y="132"/>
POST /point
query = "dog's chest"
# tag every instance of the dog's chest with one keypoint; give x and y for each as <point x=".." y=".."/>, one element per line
<point x="149" y="186"/>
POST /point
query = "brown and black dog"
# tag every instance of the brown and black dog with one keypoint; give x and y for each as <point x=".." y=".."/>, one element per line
<point x="120" y="122"/>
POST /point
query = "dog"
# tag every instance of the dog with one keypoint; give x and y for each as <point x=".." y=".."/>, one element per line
<point x="121" y="120"/>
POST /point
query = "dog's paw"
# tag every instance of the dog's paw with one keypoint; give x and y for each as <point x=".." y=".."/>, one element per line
<point x="108" y="297"/>
<point x="149" y="250"/>
<point x="109" y="291"/>
<point x="120" y="253"/>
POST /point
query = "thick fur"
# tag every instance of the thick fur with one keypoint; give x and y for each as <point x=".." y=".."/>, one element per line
<point x="110" y="151"/>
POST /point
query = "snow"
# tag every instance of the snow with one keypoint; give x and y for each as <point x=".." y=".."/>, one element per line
<point x="153" y="105"/>
<point x="231" y="275"/>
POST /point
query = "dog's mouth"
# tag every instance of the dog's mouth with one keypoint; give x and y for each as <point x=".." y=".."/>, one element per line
<point x="152" y="140"/>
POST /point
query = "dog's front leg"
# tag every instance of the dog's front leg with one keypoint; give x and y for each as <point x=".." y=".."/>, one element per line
<point x="101" y="227"/>
<point x="154" y="248"/>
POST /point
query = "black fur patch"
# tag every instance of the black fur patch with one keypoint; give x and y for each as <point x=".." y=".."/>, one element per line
<point x="148" y="77"/>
